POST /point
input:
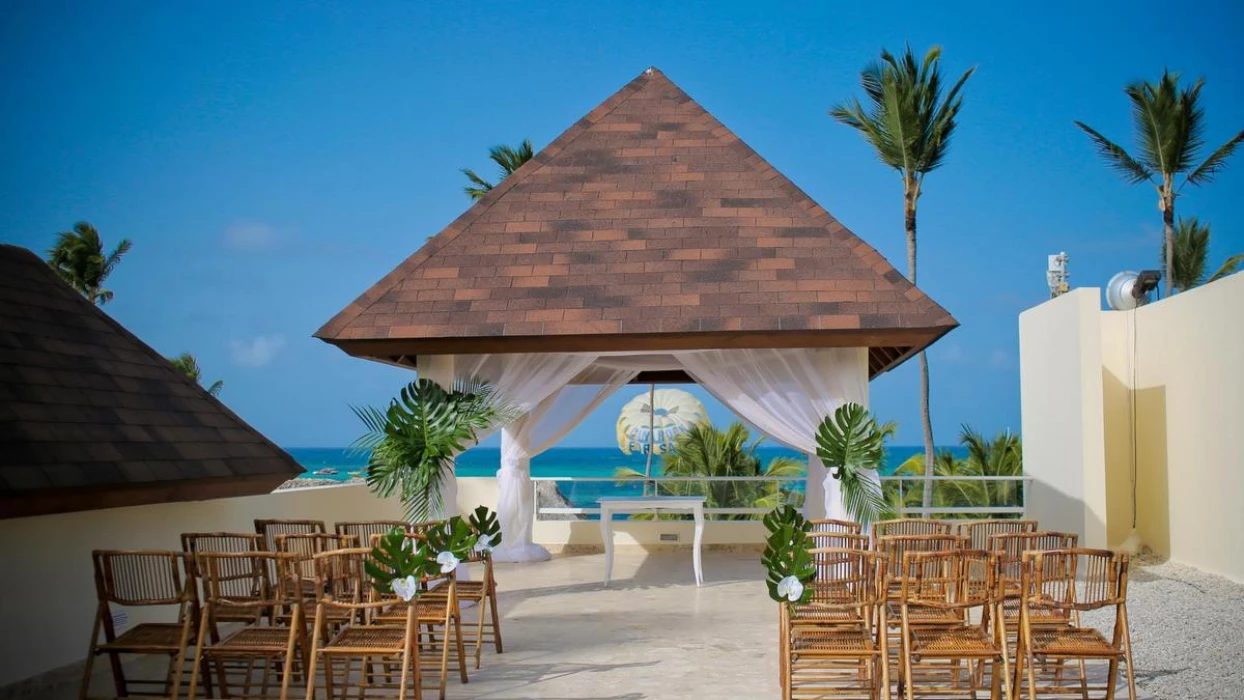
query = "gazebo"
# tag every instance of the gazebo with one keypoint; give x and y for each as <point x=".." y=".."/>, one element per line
<point x="647" y="243"/>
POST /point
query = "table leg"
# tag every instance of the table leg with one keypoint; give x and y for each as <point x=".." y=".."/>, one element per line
<point x="606" y="534"/>
<point x="699" y="537"/>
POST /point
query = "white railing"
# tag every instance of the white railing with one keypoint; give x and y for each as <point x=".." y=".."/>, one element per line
<point x="982" y="511"/>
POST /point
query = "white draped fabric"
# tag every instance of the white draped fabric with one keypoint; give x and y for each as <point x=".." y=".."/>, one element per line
<point x="786" y="393"/>
<point x="536" y="385"/>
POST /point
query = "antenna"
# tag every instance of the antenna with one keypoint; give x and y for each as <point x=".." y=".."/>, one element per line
<point x="1056" y="275"/>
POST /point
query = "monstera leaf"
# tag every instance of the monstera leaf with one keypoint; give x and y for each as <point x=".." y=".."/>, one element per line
<point x="454" y="536"/>
<point x="851" y="445"/>
<point x="395" y="558"/>
<point x="486" y="525"/>
<point x="786" y="558"/>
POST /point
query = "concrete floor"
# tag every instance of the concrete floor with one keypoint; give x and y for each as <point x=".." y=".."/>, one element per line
<point x="651" y="635"/>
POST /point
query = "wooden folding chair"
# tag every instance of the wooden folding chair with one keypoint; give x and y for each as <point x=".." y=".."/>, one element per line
<point x="838" y="540"/>
<point x="836" y="645"/>
<point x="978" y="532"/>
<point x="269" y="529"/>
<point x="893" y="548"/>
<point x="131" y="579"/>
<point x="955" y="582"/>
<point x="280" y="649"/>
<point x="1010" y="549"/>
<point x="244" y="584"/>
<point x="482" y="594"/>
<point x="1075" y="580"/>
<point x="303" y="547"/>
<point x="343" y="592"/>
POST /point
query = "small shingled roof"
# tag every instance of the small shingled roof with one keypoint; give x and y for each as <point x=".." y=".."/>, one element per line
<point x="92" y="417"/>
<point x="647" y="225"/>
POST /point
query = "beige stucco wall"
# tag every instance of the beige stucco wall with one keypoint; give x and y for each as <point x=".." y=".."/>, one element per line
<point x="1062" y="424"/>
<point x="1174" y="369"/>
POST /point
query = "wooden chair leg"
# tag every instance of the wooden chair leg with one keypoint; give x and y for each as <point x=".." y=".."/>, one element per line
<point x="84" y="691"/>
<point x="496" y="617"/>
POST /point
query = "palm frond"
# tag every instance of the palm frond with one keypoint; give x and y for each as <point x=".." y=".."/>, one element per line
<point x="478" y="187"/>
<point x="1116" y="157"/>
<point x="1229" y="267"/>
<point x="1191" y="248"/>
<point x="1215" y="163"/>
<point x="115" y="257"/>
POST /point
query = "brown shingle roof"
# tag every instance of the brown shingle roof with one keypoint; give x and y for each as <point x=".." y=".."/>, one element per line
<point x="646" y="225"/>
<point x="91" y="417"/>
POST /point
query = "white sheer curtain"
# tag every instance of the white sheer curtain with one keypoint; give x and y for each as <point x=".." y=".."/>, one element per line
<point x="536" y="386"/>
<point x="786" y="393"/>
<point x="527" y="437"/>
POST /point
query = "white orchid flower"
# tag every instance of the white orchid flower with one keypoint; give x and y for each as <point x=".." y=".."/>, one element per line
<point x="483" y="545"/>
<point x="790" y="588"/>
<point x="405" y="588"/>
<point x="448" y="562"/>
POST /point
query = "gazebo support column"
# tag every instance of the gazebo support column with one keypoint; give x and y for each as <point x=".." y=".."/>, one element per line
<point x="440" y="369"/>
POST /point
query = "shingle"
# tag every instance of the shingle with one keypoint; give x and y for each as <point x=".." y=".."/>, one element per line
<point x="647" y="192"/>
<point x="85" y="404"/>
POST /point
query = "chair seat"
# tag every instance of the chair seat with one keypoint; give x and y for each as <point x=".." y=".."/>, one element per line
<point x="427" y="610"/>
<point x="922" y="615"/>
<point x="465" y="590"/>
<point x="150" y="636"/>
<point x="367" y="638"/>
<point x="951" y="642"/>
<point x="833" y="641"/>
<point x="1071" y="641"/>
<point x="1036" y="615"/>
<point x="813" y="614"/>
<point x="253" y="640"/>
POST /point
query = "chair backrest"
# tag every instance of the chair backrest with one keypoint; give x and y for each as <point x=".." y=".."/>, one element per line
<point x="894" y="547"/>
<point x="228" y="576"/>
<point x="340" y="577"/>
<point x="910" y="526"/>
<point x="192" y="543"/>
<point x="141" y="577"/>
<point x="847" y="577"/>
<point x="978" y="532"/>
<point x="269" y="529"/>
<point x="831" y="526"/>
<point x="364" y="529"/>
<point x="304" y="547"/>
<point x="1049" y="579"/>
<point x="839" y="540"/>
<point x="422" y="527"/>
<point x="952" y="580"/>
<point x="1010" y="548"/>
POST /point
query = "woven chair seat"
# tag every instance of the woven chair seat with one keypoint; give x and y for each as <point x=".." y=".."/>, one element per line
<point x="367" y="638"/>
<point x="833" y="641"/>
<point x="920" y="615"/>
<point x="254" y="640"/>
<point x="428" y="610"/>
<point x="465" y="590"/>
<point x="804" y="615"/>
<point x="150" y="636"/>
<point x="1036" y="616"/>
<point x="955" y="642"/>
<point x="1071" y="641"/>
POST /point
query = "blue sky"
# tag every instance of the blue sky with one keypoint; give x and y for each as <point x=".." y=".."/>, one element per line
<point x="272" y="160"/>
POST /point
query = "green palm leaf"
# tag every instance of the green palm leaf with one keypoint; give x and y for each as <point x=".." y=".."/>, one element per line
<point x="851" y="444"/>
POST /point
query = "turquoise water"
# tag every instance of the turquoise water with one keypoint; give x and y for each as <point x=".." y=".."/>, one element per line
<point x="562" y="461"/>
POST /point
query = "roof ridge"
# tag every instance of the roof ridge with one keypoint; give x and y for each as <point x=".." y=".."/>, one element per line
<point x="479" y="208"/>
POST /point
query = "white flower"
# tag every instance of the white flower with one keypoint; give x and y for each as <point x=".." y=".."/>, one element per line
<point x="405" y="588"/>
<point x="448" y="562"/>
<point x="791" y="588"/>
<point x="483" y="545"/>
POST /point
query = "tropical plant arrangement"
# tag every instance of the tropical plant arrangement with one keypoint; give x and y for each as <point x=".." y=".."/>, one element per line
<point x="1168" y="120"/>
<point x="787" y="557"/>
<point x="909" y="123"/>
<point x="1000" y="456"/>
<point x="852" y="445"/>
<point x="703" y="450"/>
<point x="397" y="564"/>
<point x="413" y="441"/>
<point x="79" y="258"/>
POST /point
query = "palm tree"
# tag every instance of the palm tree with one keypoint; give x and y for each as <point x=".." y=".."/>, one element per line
<point x="413" y="441"/>
<point x="1168" y="121"/>
<point x="909" y="124"/>
<point x="507" y="159"/>
<point x="705" y="450"/>
<point x="1191" y="251"/>
<point x="997" y="457"/>
<point x="189" y="366"/>
<point x="78" y="257"/>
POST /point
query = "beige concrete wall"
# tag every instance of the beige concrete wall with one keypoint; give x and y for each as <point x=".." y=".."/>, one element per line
<point x="1061" y="398"/>
<point x="1174" y="369"/>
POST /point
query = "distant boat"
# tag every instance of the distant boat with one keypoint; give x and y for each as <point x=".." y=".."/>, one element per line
<point x="356" y="474"/>
<point x="325" y="472"/>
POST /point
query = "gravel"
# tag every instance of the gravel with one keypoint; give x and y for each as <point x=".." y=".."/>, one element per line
<point x="1187" y="631"/>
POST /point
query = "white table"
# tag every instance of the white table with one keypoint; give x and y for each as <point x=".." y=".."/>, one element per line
<point x="650" y="504"/>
